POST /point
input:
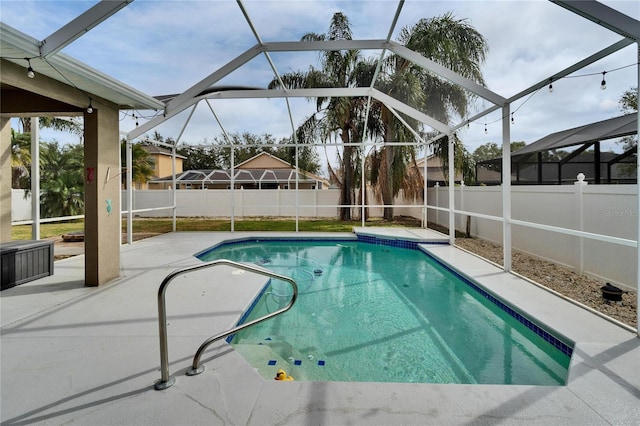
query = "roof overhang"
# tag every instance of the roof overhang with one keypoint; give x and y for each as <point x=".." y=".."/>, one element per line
<point x="617" y="127"/>
<point x="15" y="46"/>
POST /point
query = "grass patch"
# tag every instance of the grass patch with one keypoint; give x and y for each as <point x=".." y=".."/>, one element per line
<point x="47" y="230"/>
<point x="183" y="224"/>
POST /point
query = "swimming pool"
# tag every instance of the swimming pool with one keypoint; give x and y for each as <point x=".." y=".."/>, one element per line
<point x="377" y="313"/>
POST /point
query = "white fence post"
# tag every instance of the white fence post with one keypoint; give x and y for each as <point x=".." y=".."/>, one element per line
<point x="579" y="186"/>
<point x="437" y="188"/>
<point x="278" y="200"/>
<point x="462" y="217"/>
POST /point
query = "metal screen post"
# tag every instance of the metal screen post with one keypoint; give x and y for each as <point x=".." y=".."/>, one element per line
<point x="506" y="188"/>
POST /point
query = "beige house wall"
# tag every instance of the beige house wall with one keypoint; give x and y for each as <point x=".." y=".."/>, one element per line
<point x="163" y="165"/>
<point x="435" y="170"/>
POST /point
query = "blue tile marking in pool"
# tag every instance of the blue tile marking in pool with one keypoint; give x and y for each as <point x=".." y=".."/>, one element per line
<point x="272" y="362"/>
<point x="413" y="245"/>
<point x="321" y="363"/>
<point x="388" y="242"/>
<point x="392" y="242"/>
<point x="297" y="362"/>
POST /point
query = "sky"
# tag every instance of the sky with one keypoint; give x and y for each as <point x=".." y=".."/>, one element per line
<point x="165" y="47"/>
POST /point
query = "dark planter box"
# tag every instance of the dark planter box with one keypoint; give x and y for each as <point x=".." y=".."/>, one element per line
<point x="24" y="261"/>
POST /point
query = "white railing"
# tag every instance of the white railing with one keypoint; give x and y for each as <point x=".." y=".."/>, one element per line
<point x="588" y="228"/>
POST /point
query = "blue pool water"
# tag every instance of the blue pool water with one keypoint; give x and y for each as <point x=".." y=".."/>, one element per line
<point x="376" y="313"/>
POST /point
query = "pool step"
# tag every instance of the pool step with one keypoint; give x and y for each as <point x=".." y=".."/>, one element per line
<point x="266" y="361"/>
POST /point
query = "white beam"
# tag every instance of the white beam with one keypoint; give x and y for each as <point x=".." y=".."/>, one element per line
<point x="506" y="188"/>
<point x="289" y="93"/>
<point x="324" y="45"/>
<point x="411" y="112"/>
<point x="331" y="92"/>
<point x="575" y="67"/>
<point x="446" y="73"/>
<point x="404" y="122"/>
<point x="557" y="76"/>
<point x="79" y="26"/>
<point x="397" y="49"/>
<point x="188" y="98"/>
<point x="604" y="16"/>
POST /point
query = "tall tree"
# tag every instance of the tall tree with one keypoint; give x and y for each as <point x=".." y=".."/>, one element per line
<point x="308" y="159"/>
<point x="200" y="157"/>
<point x="462" y="159"/>
<point x="629" y="104"/>
<point x="141" y="163"/>
<point x="62" y="180"/>
<point x="629" y="101"/>
<point x="59" y="124"/>
<point x="20" y="160"/>
<point x="247" y="145"/>
<point x="451" y="42"/>
<point x="335" y="117"/>
<point x="492" y="151"/>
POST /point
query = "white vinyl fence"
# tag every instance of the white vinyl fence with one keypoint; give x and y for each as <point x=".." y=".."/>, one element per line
<point x="246" y="203"/>
<point x="20" y="205"/>
<point x="255" y="203"/>
<point x="609" y="210"/>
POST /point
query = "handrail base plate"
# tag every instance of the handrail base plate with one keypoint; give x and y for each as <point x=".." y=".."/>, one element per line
<point x="195" y="371"/>
<point x="160" y="385"/>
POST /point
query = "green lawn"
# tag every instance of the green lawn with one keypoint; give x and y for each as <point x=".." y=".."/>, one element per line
<point x="159" y="226"/>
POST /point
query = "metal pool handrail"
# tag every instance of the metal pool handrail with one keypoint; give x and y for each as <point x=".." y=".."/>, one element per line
<point x="166" y="380"/>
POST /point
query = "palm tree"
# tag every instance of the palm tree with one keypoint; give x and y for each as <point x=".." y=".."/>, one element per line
<point x="62" y="180"/>
<point x="20" y="159"/>
<point x="449" y="42"/>
<point x="336" y="117"/>
<point x="59" y="124"/>
<point x="141" y="163"/>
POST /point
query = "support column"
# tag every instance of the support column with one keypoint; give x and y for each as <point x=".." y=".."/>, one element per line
<point x="452" y="194"/>
<point x="638" y="208"/>
<point x="35" y="178"/>
<point x="5" y="181"/>
<point x="579" y="196"/>
<point x="102" y="231"/>
<point x="506" y="188"/>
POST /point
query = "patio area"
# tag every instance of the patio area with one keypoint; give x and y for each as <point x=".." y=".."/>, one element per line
<point x="71" y="353"/>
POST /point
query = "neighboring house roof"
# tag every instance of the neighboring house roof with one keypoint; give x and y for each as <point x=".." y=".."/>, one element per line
<point x="264" y="160"/>
<point x="435" y="169"/>
<point x="261" y="168"/>
<point x="624" y="125"/>
<point x="242" y="176"/>
<point x="576" y="162"/>
<point x="154" y="149"/>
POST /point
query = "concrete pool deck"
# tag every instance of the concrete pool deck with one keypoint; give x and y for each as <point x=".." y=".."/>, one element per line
<point x="71" y="353"/>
